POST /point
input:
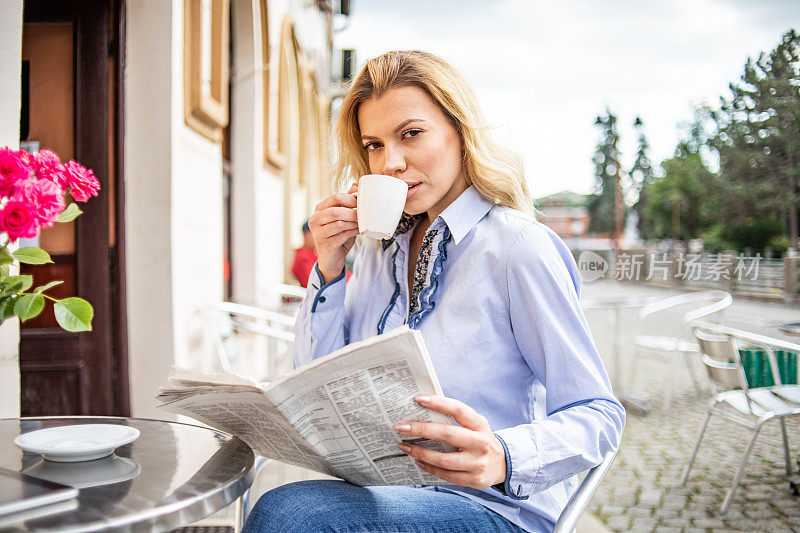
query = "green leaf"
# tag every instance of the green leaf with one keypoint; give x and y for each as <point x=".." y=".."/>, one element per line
<point x="27" y="282"/>
<point x="74" y="314"/>
<point x="32" y="256"/>
<point x="50" y="285"/>
<point x="4" y="270"/>
<point x="7" y="309"/>
<point x="14" y="284"/>
<point x="28" y="306"/>
<point x="70" y="213"/>
<point x="5" y="256"/>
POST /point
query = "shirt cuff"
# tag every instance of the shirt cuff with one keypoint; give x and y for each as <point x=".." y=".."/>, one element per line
<point x="317" y="290"/>
<point x="505" y="487"/>
<point x="522" y="462"/>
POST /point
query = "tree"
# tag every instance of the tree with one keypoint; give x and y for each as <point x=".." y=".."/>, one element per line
<point x="677" y="204"/>
<point x="758" y="140"/>
<point x="641" y="177"/>
<point x="603" y="204"/>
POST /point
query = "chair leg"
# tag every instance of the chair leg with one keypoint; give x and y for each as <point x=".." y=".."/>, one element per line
<point x="238" y="521"/>
<point x="697" y="445"/>
<point x="786" y="453"/>
<point x="687" y="358"/>
<point x="637" y="353"/>
<point x="673" y="372"/>
<point x="735" y="485"/>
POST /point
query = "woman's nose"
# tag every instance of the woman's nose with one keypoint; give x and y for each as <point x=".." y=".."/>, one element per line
<point x="394" y="161"/>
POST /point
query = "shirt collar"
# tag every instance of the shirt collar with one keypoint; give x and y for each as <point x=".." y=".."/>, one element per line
<point x="465" y="212"/>
<point x="406" y="223"/>
<point x="460" y="216"/>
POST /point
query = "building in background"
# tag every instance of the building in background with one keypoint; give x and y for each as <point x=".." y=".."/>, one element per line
<point x="565" y="213"/>
<point x="207" y="123"/>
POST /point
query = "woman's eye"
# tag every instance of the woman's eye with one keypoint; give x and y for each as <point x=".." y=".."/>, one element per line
<point x="412" y="133"/>
<point x="371" y="147"/>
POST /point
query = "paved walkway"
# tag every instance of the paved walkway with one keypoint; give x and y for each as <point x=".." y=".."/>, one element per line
<point x="642" y="492"/>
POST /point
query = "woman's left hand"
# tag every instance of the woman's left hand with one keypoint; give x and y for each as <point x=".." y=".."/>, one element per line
<point x="480" y="461"/>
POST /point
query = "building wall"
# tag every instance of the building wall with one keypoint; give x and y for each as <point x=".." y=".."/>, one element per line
<point x="148" y="200"/>
<point x="174" y="200"/>
<point x="10" y="58"/>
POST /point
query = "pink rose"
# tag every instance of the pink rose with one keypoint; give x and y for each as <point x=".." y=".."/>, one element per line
<point x="82" y="181"/>
<point x="50" y="199"/>
<point x="14" y="167"/>
<point x="17" y="219"/>
<point x="49" y="167"/>
<point x="46" y="197"/>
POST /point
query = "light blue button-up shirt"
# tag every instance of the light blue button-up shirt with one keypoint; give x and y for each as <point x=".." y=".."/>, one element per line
<point x="501" y="317"/>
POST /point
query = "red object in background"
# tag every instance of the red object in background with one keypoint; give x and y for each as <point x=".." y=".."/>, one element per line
<point x="304" y="261"/>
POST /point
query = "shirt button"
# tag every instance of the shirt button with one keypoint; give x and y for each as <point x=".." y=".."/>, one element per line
<point x="322" y="299"/>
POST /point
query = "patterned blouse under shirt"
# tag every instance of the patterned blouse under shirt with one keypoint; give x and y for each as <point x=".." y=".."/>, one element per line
<point x="407" y="222"/>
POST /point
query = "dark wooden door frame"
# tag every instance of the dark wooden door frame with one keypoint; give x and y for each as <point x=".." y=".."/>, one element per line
<point x="104" y="382"/>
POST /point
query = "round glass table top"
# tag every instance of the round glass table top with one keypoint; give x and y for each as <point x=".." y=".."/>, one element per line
<point x="172" y="475"/>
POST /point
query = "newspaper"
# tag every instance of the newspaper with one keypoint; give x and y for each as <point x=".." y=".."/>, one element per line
<point x="334" y="415"/>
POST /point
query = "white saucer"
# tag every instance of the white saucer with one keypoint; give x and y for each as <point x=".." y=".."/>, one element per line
<point x="79" y="442"/>
<point x="111" y="469"/>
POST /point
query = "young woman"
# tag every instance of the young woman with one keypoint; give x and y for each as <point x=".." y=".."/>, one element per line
<point x="496" y="297"/>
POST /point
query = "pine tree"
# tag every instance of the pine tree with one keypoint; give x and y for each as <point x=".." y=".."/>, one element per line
<point x="758" y="139"/>
<point x="601" y="204"/>
<point x="641" y="177"/>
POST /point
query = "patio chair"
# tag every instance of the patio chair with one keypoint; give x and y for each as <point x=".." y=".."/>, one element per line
<point x="735" y="401"/>
<point x="229" y="321"/>
<point x="283" y="298"/>
<point x="669" y="338"/>
<point x="579" y="501"/>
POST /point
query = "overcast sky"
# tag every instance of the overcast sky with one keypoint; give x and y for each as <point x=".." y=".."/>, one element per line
<point x="543" y="70"/>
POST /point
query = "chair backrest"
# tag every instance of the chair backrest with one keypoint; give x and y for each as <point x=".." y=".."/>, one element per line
<point x="657" y="317"/>
<point x="224" y="336"/>
<point x="717" y="302"/>
<point x="229" y="320"/>
<point x="721" y="359"/>
<point x="579" y="501"/>
<point x="283" y="298"/>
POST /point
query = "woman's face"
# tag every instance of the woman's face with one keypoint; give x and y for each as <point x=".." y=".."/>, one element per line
<point x="407" y="136"/>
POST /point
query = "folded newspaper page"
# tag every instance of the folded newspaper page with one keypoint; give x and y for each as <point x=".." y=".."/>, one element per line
<point x="334" y="415"/>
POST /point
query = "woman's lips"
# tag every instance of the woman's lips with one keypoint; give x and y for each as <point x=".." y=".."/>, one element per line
<point x="412" y="191"/>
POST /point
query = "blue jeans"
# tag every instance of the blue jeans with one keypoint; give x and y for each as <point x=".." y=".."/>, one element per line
<point x="338" y="506"/>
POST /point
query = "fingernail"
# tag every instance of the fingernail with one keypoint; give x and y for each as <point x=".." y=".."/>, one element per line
<point x="423" y="399"/>
<point x="405" y="447"/>
<point x="402" y="427"/>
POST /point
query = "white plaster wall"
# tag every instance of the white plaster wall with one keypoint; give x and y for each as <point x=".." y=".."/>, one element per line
<point x="197" y="251"/>
<point x="197" y="225"/>
<point x="148" y="196"/>
<point x="259" y="197"/>
<point x="174" y="215"/>
<point x="10" y="60"/>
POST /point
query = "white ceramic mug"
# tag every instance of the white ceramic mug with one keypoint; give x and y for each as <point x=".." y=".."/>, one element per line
<point x="380" y="205"/>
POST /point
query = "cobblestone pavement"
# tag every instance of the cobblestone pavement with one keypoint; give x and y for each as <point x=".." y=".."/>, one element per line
<point x="642" y="491"/>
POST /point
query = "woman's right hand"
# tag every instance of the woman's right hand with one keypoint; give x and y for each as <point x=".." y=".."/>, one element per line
<point x="334" y="226"/>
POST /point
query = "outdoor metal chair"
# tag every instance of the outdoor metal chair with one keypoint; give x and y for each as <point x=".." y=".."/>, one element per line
<point x="735" y="401"/>
<point x="229" y="321"/>
<point x="283" y="298"/>
<point x="579" y="501"/>
<point x="659" y="334"/>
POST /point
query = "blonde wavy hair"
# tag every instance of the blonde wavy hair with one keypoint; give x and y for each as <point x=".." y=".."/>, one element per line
<point x="495" y="171"/>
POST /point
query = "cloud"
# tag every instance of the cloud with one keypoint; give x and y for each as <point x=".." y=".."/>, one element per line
<point x="543" y="70"/>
